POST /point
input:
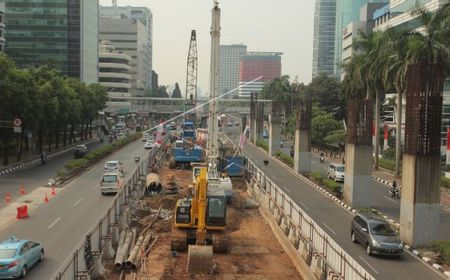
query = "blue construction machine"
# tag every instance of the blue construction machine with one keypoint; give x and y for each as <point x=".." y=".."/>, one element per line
<point x="185" y="150"/>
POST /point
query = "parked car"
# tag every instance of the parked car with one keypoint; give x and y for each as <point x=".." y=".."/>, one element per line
<point x="149" y="144"/>
<point x="375" y="234"/>
<point x="111" y="182"/>
<point x="336" y="172"/>
<point x="121" y="136"/>
<point x="19" y="256"/>
<point x="113" y="166"/>
<point x="80" y="151"/>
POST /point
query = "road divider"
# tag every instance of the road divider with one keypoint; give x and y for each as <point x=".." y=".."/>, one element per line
<point x="22" y="212"/>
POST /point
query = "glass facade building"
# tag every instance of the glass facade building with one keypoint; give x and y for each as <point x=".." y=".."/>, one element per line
<point x="63" y="33"/>
<point x="324" y="37"/>
<point x="230" y="56"/>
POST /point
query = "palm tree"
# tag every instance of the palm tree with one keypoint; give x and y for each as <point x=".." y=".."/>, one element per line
<point x="371" y="47"/>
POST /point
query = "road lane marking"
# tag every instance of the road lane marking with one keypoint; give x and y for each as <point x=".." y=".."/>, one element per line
<point x="78" y="202"/>
<point x="304" y="205"/>
<point x="54" y="223"/>
<point x="371" y="267"/>
<point x="388" y="198"/>
<point x="329" y="228"/>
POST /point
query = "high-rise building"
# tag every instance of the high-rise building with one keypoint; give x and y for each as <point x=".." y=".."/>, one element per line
<point x="324" y="37"/>
<point x="144" y="15"/>
<point x="2" y="26"/>
<point x="63" y="33"/>
<point x="230" y="56"/>
<point x="114" y="73"/>
<point x="253" y="65"/>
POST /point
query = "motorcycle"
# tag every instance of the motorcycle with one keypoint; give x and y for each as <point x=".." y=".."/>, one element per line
<point x="394" y="192"/>
<point x="322" y="159"/>
<point x="281" y="144"/>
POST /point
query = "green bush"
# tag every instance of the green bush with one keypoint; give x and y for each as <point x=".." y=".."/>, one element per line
<point x="331" y="184"/>
<point x="445" y="182"/>
<point x="447" y="168"/>
<point x="263" y="144"/>
<point x="96" y="155"/>
<point x="316" y="176"/>
<point x="387" y="164"/>
<point x="442" y="248"/>
<point x="285" y="158"/>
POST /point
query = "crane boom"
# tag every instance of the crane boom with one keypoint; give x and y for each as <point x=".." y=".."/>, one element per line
<point x="213" y="89"/>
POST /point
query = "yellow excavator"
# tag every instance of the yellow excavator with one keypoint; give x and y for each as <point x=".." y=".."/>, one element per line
<point x="200" y="219"/>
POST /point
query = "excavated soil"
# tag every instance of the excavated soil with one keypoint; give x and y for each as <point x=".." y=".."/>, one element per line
<point x="254" y="253"/>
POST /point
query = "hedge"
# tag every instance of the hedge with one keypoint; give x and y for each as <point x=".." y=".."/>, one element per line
<point x="445" y="182"/>
<point x="262" y="144"/>
<point x="442" y="248"/>
<point x="285" y="158"/>
<point x="386" y="164"/>
<point x="96" y="155"/>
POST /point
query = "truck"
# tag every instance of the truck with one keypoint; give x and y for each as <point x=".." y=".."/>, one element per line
<point x="230" y="162"/>
<point x="185" y="150"/>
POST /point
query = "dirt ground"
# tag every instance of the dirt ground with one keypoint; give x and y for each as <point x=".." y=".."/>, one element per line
<point x="254" y="253"/>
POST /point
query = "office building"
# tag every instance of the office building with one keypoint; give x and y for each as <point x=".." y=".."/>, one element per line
<point x="144" y="52"/>
<point x="154" y="80"/>
<point x="2" y="26"/>
<point x="253" y="65"/>
<point x="114" y="74"/>
<point x="63" y="33"/>
<point x="324" y="37"/>
<point x="230" y="56"/>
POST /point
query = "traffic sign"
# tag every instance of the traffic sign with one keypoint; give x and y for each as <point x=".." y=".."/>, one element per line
<point x="17" y="122"/>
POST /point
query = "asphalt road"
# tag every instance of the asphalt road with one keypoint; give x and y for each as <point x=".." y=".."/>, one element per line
<point x="336" y="222"/>
<point x="35" y="176"/>
<point x="62" y="223"/>
<point x="380" y="197"/>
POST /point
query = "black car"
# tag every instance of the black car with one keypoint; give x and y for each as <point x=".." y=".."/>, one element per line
<point x="80" y="151"/>
<point x="376" y="235"/>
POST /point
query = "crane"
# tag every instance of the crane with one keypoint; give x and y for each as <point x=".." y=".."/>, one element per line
<point x="191" y="76"/>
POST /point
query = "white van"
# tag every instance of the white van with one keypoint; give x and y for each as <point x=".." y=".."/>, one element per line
<point x="336" y="172"/>
<point x="111" y="182"/>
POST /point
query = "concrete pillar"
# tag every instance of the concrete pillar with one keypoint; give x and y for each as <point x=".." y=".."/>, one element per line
<point x="253" y="131"/>
<point x="419" y="207"/>
<point x="358" y="171"/>
<point x="302" y="154"/>
<point x="274" y="138"/>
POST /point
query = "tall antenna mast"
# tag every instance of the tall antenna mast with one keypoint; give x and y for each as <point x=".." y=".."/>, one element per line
<point x="191" y="77"/>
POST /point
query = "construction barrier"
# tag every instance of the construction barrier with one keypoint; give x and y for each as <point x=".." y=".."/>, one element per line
<point x="314" y="245"/>
<point x="22" y="212"/>
<point x="85" y="261"/>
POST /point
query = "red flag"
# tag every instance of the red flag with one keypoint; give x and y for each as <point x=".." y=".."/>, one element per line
<point x="386" y="132"/>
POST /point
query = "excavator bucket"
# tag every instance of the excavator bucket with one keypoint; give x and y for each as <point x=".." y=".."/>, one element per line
<point x="200" y="259"/>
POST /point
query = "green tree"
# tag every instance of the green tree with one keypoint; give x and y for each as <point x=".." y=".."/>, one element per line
<point x="325" y="92"/>
<point x="322" y="124"/>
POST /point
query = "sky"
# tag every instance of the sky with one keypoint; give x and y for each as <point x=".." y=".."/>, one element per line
<point x="263" y="25"/>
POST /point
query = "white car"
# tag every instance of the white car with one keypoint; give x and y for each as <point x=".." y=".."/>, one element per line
<point x="146" y="137"/>
<point x="113" y="166"/>
<point x="111" y="182"/>
<point x="149" y="144"/>
<point x="336" y="172"/>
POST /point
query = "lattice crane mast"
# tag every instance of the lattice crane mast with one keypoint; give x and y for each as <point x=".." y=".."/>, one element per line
<point x="191" y="76"/>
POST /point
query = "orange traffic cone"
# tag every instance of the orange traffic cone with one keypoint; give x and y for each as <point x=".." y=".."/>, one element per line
<point x="46" y="198"/>
<point x="22" y="190"/>
<point x="8" y="197"/>
<point x="53" y="191"/>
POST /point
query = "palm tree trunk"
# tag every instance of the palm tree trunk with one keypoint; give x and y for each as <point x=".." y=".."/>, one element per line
<point x="57" y="137"/>
<point x="50" y="138"/>
<point x="90" y="129"/>
<point x="377" y="128"/>
<point x="398" y="143"/>
<point x="71" y="134"/>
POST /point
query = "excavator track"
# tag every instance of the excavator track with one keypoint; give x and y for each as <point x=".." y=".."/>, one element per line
<point x="220" y="243"/>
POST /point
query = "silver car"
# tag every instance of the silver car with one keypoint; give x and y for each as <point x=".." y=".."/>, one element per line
<point x="113" y="166"/>
<point x="376" y="235"/>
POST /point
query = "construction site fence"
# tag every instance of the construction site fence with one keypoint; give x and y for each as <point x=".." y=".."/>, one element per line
<point x="321" y="253"/>
<point x="85" y="262"/>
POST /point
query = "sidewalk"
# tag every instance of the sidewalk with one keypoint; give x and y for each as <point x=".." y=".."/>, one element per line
<point x="34" y="159"/>
<point x="386" y="177"/>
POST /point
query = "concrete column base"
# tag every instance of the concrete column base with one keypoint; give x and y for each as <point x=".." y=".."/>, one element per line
<point x="420" y="199"/>
<point x="274" y="138"/>
<point x="302" y="153"/>
<point x="358" y="171"/>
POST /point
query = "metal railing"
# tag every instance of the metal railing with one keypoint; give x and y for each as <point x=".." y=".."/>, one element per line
<point x="315" y="246"/>
<point x="85" y="261"/>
